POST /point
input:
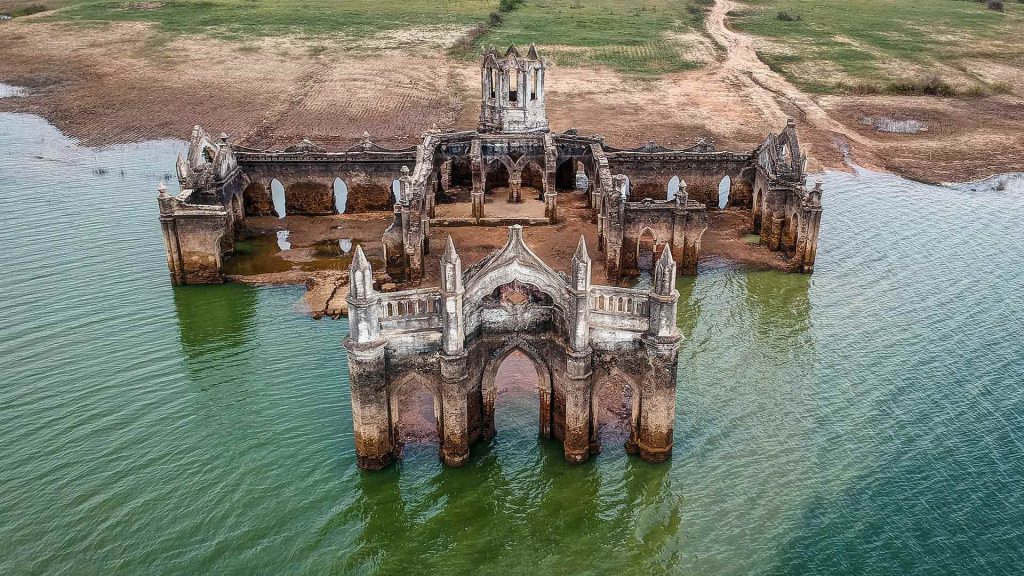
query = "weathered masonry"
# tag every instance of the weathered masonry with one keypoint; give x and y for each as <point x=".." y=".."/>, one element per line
<point x="650" y="208"/>
<point x="451" y="340"/>
<point x="511" y="170"/>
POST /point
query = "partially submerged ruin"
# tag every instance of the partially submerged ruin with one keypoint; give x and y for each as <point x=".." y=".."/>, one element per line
<point x="649" y="206"/>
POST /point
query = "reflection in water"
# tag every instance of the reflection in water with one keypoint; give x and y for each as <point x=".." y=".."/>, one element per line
<point x="282" y="240"/>
<point x="517" y="403"/>
<point x="214" y="319"/>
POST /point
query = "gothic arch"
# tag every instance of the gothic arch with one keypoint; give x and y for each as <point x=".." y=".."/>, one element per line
<point x="615" y="375"/>
<point x="545" y="385"/>
<point x="394" y="405"/>
<point x="565" y="175"/>
<point x="646" y="245"/>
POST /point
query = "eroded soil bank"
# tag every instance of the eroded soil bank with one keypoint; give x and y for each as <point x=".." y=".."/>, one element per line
<point x="117" y="83"/>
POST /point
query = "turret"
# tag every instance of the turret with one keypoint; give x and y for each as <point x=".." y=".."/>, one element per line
<point x="581" y="273"/>
<point x="663" y="297"/>
<point x="453" y="333"/>
<point x="363" y="301"/>
<point x="512" y="92"/>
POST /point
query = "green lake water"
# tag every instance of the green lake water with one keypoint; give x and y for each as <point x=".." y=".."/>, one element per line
<point x="868" y="419"/>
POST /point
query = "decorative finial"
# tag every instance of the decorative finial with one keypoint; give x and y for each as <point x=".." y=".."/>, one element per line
<point x="449" y="251"/>
<point x="224" y="137"/>
<point x="162" y="190"/>
<point x="581" y="250"/>
<point x="405" y="170"/>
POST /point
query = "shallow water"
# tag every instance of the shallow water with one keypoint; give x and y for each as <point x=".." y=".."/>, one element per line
<point x="863" y="420"/>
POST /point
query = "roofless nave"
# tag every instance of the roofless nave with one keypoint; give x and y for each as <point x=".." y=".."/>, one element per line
<point x="512" y="170"/>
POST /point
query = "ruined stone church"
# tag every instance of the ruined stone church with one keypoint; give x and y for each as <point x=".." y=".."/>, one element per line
<point x="649" y="206"/>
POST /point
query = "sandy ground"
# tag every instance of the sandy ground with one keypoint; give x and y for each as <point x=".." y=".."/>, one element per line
<point x="124" y="82"/>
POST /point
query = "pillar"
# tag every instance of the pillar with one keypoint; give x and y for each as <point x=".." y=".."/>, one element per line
<point x="579" y="361"/>
<point x="515" y="182"/>
<point x="172" y="248"/>
<point x="661" y="343"/>
<point x="454" y="408"/>
<point x="371" y="418"/>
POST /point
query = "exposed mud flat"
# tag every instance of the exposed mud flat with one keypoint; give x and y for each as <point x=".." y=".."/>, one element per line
<point x="109" y="85"/>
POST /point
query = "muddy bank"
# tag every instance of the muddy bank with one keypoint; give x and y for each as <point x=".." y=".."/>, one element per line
<point x="109" y="84"/>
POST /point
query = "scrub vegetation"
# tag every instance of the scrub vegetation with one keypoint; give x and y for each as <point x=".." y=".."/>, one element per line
<point x="903" y="47"/>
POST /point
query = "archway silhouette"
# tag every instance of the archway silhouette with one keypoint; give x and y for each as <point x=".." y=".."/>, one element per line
<point x="645" y="250"/>
<point x="277" y="196"/>
<point x="340" y="196"/>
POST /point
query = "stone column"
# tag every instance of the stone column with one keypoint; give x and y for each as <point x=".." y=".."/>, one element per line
<point x="661" y="343"/>
<point x="551" y="206"/>
<point x="454" y="400"/>
<point x="579" y="376"/>
<point x="477" y="170"/>
<point x="371" y="416"/>
<point x="172" y="248"/>
<point x="371" y="419"/>
<point x="515" y="182"/>
<point x="658" y="401"/>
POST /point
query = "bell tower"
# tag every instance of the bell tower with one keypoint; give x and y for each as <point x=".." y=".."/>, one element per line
<point x="512" y="92"/>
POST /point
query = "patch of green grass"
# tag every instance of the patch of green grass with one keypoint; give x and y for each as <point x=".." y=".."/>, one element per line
<point x="260" y="18"/>
<point x="633" y="37"/>
<point x="884" y="46"/>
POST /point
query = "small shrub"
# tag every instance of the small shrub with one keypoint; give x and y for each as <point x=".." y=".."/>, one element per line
<point x="994" y="5"/>
<point x="509" y="5"/>
<point x="495" y="19"/>
<point x="787" y="16"/>
<point x="28" y="10"/>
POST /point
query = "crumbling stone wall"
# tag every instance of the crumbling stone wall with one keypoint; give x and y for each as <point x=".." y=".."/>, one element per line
<point x="455" y="337"/>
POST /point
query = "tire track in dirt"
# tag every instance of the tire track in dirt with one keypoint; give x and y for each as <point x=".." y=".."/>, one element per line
<point x="766" y="89"/>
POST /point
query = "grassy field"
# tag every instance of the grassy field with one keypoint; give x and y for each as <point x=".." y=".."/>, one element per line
<point x="889" y="46"/>
<point x="642" y="37"/>
<point x="246" y="19"/>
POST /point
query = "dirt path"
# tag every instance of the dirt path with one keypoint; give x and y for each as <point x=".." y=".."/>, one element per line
<point x="766" y="88"/>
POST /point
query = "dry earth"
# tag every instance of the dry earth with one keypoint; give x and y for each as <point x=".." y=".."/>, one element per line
<point x="116" y="83"/>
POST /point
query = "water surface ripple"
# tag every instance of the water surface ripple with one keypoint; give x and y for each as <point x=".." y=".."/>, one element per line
<point x="863" y="420"/>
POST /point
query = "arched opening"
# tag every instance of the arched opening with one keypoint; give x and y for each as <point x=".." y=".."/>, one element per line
<point x="340" y="195"/>
<point x="513" y="85"/>
<point x="615" y="411"/>
<point x="462" y="173"/>
<point x="494" y="82"/>
<point x="565" y="176"/>
<point x="497" y="176"/>
<point x="673" y="188"/>
<point x="724" y="187"/>
<point x="518" y="381"/>
<point x="256" y="200"/>
<point x="415" y="416"/>
<point x="277" y="196"/>
<point x="534" y="84"/>
<point x="645" y="250"/>
<point x="533" y="181"/>
<point x="396" y="190"/>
